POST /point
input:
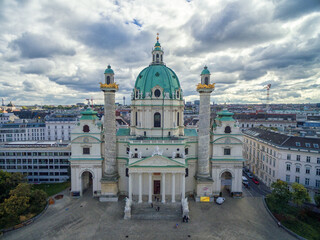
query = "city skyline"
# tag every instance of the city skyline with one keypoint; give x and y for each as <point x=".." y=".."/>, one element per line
<point x="56" y="52"/>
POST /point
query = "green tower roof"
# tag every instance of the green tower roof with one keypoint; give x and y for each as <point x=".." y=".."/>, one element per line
<point x="108" y="70"/>
<point x="89" y="114"/>
<point x="205" y="71"/>
<point x="160" y="75"/>
<point x="225" y="115"/>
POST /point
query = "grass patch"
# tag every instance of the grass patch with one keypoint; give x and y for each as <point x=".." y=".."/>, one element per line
<point x="299" y="220"/>
<point x="52" y="188"/>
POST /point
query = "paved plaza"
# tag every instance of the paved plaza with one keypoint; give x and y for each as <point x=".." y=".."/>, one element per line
<point x="87" y="218"/>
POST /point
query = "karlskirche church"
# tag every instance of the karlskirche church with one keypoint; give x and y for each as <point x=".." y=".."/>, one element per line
<point x="157" y="156"/>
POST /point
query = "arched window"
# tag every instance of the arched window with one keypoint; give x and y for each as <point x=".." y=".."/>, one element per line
<point x="108" y="79"/>
<point x="206" y="80"/>
<point x="157" y="120"/>
<point x="161" y="58"/>
<point x="178" y="119"/>
<point x="157" y="57"/>
<point x="227" y="129"/>
<point x="86" y="128"/>
<point x="178" y="94"/>
<point x="153" y="58"/>
<point x="136" y="118"/>
<point x="137" y="94"/>
<point x="157" y="93"/>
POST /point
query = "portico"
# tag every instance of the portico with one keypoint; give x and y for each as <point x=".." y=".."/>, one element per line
<point x="156" y="176"/>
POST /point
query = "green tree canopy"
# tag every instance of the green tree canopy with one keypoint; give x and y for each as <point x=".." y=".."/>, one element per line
<point x="299" y="194"/>
<point x="38" y="199"/>
<point x="280" y="195"/>
<point x="22" y="190"/>
<point x="9" y="181"/>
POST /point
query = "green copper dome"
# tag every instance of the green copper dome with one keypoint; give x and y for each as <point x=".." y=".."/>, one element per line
<point x="108" y="70"/>
<point x="157" y="74"/>
<point x="205" y="71"/>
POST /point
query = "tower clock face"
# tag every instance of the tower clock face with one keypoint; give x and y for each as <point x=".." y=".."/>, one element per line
<point x="86" y="140"/>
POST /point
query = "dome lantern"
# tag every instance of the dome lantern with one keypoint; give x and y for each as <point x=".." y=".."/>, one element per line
<point x="157" y="53"/>
<point x="109" y="75"/>
<point x="205" y="76"/>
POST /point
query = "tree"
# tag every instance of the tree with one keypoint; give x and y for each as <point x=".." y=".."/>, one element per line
<point x="22" y="190"/>
<point x="317" y="200"/>
<point x="16" y="205"/>
<point x="299" y="194"/>
<point x="38" y="199"/>
<point x="280" y="195"/>
<point x="9" y="181"/>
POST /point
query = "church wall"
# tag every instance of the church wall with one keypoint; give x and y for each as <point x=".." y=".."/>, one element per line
<point x="190" y="180"/>
<point x="123" y="180"/>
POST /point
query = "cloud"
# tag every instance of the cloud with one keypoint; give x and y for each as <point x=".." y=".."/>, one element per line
<point x="37" y="66"/>
<point x="32" y="45"/>
<point x="288" y="9"/>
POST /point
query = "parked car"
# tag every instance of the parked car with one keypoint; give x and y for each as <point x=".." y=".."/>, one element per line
<point x="250" y="175"/>
<point x="245" y="181"/>
<point x="255" y="181"/>
<point x="220" y="200"/>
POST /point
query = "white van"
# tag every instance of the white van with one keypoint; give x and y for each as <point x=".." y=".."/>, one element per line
<point x="245" y="180"/>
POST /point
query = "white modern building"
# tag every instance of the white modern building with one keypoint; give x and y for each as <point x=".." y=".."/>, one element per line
<point x="271" y="155"/>
<point x="156" y="156"/>
<point x="10" y="132"/>
<point x="7" y="117"/>
<point x="59" y="126"/>
<point x="40" y="161"/>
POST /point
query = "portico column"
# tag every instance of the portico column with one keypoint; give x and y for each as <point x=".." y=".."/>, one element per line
<point x="130" y="186"/>
<point x="173" y="187"/>
<point x="150" y="188"/>
<point x="140" y="187"/>
<point x="163" y="186"/>
<point x="183" y="191"/>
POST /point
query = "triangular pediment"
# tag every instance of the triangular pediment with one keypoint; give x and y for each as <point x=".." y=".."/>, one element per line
<point x="157" y="161"/>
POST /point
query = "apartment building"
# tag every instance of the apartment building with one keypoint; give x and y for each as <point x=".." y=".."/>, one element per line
<point x="271" y="155"/>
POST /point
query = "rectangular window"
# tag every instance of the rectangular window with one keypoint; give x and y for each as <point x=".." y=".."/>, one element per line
<point x="308" y="158"/>
<point x="274" y="162"/>
<point x="318" y="172"/>
<point x="306" y="182"/>
<point x="318" y="160"/>
<point x="288" y="167"/>
<point x="86" y="151"/>
<point x="288" y="156"/>
<point x="297" y="180"/>
<point x="298" y="157"/>
<point x="227" y="151"/>
<point x="317" y="183"/>
<point x="315" y="145"/>
<point x="273" y="173"/>
<point x="307" y="170"/>
<point x="287" y="178"/>
<point x="308" y="145"/>
<point x="297" y="169"/>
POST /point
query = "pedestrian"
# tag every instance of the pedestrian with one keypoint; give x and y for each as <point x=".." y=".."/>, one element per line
<point x="177" y="225"/>
<point x="151" y="205"/>
<point x="187" y="218"/>
<point x="184" y="218"/>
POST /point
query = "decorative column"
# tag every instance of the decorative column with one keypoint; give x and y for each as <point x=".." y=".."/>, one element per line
<point x="204" y="180"/>
<point x="183" y="190"/>
<point x="163" y="186"/>
<point x="140" y="187"/>
<point x="173" y="187"/>
<point x="109" y="180"/>
<point x="150" y="188"/>
<point x="130" y="186"/>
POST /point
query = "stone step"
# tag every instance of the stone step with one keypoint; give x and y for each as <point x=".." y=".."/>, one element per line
<point x="145" y="212"/>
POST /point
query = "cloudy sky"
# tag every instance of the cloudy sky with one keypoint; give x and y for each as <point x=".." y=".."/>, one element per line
<point x="55" y="52"/>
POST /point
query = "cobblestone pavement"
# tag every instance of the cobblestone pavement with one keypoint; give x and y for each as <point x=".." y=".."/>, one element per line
<point x="87" y="218"/>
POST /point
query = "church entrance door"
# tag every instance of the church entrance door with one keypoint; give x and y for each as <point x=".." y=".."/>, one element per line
<point x="86" y="183"/>
<point x="156" y="187"/>
<point x="226" y="183"/>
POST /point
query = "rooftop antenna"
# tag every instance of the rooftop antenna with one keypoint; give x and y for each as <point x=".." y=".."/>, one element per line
<point x="268" y="96"/>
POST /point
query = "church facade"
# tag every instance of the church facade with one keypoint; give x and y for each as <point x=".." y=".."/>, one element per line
<point x="157" y="156"/>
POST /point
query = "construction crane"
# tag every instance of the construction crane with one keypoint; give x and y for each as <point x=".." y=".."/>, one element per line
<point x="89" y="102"/>
<point x="268" y="96"/>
